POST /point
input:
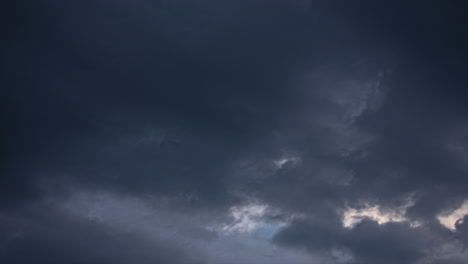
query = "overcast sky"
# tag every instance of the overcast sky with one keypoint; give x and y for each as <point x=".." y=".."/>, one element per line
<point x="234" y="132"/>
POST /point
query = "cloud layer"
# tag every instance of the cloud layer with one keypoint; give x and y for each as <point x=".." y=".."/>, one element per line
<point x="234" y="132"/>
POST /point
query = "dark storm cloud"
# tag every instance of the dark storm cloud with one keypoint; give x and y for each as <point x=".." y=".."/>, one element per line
<point x="95" y="66"/>
<point x="269" y="117"/>
<point x="368" y="242"/>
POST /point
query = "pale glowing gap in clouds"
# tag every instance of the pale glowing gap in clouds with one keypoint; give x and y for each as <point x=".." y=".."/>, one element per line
<point x="450" y="218"/>
<point x="246" y="218"/>
<point x="250" y="219"/>
<point x="352" y="217"/>
<point x="279" y="163"/>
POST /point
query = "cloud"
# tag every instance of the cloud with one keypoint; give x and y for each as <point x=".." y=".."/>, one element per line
<point x="453" y="218"/>
<point x="352" y="216"/>
<point x="233" y="132"/>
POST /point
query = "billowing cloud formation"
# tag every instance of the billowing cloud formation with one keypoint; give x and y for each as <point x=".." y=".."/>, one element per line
<point x="234" y="132"/>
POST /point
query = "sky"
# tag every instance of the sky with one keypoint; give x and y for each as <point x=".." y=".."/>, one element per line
<point x="234" y="132"/>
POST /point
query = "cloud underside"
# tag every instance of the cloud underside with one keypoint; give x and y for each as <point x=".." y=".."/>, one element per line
<point x="233" y="132"/>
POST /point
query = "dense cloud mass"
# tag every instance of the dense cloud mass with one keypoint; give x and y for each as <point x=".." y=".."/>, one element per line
<point x="234" y="132"/>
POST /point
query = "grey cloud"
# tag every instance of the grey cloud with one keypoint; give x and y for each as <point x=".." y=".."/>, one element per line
<point x="368" y="242"/>
<point x="307" y="108"/>
<point x="58" y="238"/>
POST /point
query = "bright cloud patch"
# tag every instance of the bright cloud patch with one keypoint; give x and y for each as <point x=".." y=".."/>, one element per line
<point x="287" y="159"/>
<point x="352" y="216"/>
<point x="250" y="219"/>
<point x="246" y="218"/>
<point x="450" y="218"/>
